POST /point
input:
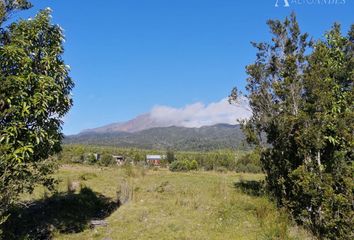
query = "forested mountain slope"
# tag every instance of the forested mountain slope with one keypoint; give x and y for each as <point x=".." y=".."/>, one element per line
<point x="219" y="136"/>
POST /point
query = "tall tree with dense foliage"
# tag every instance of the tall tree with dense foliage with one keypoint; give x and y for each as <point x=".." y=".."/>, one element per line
<point x="34" y="96"/>
<point x="301" y="94"/>
<point x="170" y="156"/>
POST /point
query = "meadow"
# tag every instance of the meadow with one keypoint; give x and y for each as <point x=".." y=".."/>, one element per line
<point x="140" y="203"/>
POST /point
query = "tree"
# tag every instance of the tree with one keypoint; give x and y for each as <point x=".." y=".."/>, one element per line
<point x="170" y="156"/>
<point x="7" y="7"/>
<point x="301" y="95"/>
<point x="34" y="96"/>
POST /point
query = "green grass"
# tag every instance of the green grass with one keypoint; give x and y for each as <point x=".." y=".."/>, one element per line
<point x="169" y="205"/>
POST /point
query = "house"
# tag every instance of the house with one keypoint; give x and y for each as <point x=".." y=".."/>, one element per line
<point x="154" y="159"/>
<point x="120" y="160"/>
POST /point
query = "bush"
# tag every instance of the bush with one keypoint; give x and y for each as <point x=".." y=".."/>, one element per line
<point x="106" y="160"/>
<point x="183" y="166"/>
<point x="222" y="158"/>
<point x="249" y="163"/>
<point x="180" y="166"/>
<point x="193" y="165"/>
<point x="128" y="170"/>
<point x="91" y="159"/>
<point x="331" y="213"/>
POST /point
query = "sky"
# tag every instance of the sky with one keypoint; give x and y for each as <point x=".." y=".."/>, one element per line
<point x="130" y="57"/>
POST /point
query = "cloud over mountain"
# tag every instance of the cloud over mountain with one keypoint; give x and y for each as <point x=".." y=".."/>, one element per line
<point x="199" y="114"/>
<point x="192" y="115"/>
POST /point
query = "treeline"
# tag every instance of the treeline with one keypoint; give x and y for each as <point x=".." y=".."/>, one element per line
<point x="221" y="160"/>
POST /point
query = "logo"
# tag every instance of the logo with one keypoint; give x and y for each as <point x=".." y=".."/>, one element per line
<point x="286" y="3"/>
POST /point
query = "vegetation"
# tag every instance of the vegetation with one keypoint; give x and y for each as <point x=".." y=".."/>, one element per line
<point x="208" y="138"/>
<point x="63" y="212"/>
<point x="170" y="205"/>
<point x="182" y="166"/>
<point x="250" y="162"/>
<point x="239" y="161"/>
<point x="170" y="156"/>
<point x="106" y="160"/>
<point x="34" y="96"/>
<point x="301" y="94"/>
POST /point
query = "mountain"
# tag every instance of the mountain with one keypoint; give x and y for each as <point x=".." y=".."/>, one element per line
<point x="142" y="122"/>
<point x="193" y="116"/>
<point x="194" y="127"/>
<point x="205" y="138"/>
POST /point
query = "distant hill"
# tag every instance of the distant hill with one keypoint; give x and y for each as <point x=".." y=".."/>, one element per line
<point x="214" y="137"/>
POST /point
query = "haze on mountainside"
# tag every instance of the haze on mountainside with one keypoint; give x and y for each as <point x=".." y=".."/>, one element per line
<point x="195" y="115"/>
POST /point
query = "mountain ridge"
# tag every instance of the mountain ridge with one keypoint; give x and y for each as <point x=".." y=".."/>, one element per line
<point x="139" y="123"/>
<point x="205" y="138"/>
<point x="193" y="116"/>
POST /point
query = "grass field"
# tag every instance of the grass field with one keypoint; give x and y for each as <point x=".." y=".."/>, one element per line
<point x="156" y="205"/>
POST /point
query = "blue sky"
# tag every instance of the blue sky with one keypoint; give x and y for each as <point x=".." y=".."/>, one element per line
<point x="129" y="56"/>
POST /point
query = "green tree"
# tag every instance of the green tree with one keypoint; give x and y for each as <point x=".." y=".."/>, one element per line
<point x="170" y="156"/>
<point x="34" y="96"/>
<point x="301" y="95"/>
<point x="7" y="7"/>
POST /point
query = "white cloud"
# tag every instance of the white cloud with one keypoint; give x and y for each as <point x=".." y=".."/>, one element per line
<point x="199" y="114"/>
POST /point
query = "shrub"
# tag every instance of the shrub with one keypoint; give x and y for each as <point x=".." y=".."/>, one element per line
<point x="249" y="162"/>
<point x="106" y="160"/>
<point x="91" y="159"/>
<point x="329" y="212"/>
<point x="128" y="170"/>
<point x="179" y="166"/>
<point x="193" y="165"/>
